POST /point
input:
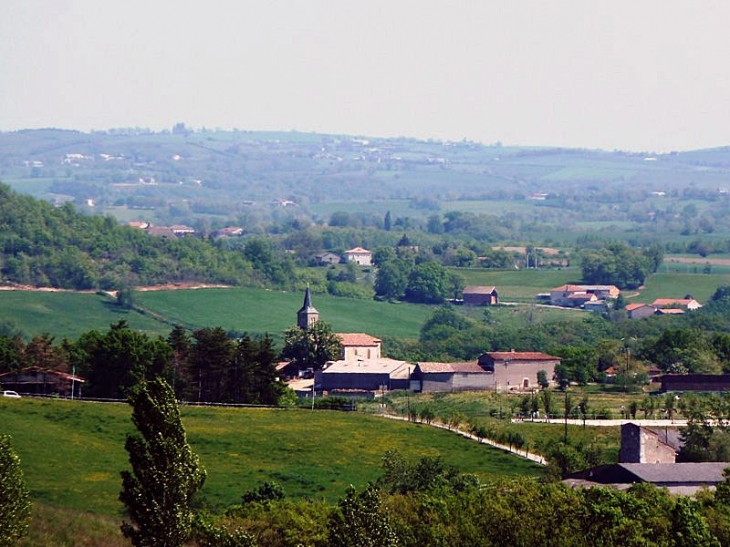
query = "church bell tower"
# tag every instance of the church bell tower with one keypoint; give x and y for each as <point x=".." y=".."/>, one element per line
<point x="308" y="314"/>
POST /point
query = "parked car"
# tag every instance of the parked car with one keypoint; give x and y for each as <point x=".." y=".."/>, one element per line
<point x="12" y="394"/>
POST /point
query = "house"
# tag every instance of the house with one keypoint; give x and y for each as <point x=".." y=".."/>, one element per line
<point x="517" y="370"/>
<point x="40" y="381"/>
<point x="643" y="445"/>
<point x="229" y="231"/>
<point x="687" y="304"/>
<point x="327" y="258"/>
<point x="480" y="295"/>
<point x="182" y="230"/>
<point x="576" y="295"/>
<point x="638" y="310"/>
<point x="372" y="375"/>
<point x="360" y="256"/>
<point x="670" y="311"/>
<point x="695" y="382"/>
<point x="161" y="231"/>
<point x="358" y="345"/>
<point x="600" y="306"/>
<point x="440" y="377"/>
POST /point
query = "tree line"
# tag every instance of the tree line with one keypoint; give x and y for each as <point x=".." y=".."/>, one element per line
<point x="206" y="365"/>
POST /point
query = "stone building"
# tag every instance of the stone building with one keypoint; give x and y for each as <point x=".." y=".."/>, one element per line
<point x="642" y="445"/>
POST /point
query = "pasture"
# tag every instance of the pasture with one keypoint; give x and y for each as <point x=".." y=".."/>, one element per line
<point x="519" y="285"/>
<point x="677" y="285"/>
<point x="68" y="314"/>
<point x="72" y="451"/>
<point x="259" y="311"/>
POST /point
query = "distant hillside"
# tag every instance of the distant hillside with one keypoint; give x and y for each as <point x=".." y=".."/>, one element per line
<point x="219" y="176"/>
<point x="43" y="245"/>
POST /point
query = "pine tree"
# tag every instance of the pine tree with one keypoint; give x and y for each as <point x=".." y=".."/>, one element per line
<point x="166" y="473"/>
<point x="14" y="502"/>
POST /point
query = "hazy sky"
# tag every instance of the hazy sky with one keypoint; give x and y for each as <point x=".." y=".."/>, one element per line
<point x="633" y="75"/>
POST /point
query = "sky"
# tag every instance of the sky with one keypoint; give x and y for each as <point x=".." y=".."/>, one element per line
<point x="638" y="75"/>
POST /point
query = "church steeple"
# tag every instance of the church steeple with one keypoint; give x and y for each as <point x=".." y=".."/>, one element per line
<point x="308" y="314"/>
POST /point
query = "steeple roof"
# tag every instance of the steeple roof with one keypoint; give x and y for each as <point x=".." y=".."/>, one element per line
<point x="307" y="306"/>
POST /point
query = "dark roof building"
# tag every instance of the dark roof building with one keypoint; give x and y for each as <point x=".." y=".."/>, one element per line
<point x="435" y="377"/>
<point x="678" y="478"/>
<point x="695" y="382"/>
<point x="480" y="295"/>
<point x="40" y="381"/>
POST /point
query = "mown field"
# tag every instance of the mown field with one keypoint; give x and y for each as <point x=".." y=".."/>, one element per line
<point x="520" y="285"/>
<point x="68" y="314"/>
<point x="72" y="452"/>
<point x="259" y="311"/>
<point x="677" y="285"/>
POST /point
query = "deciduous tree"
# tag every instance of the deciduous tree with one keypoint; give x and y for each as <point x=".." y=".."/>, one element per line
<point x="166" y="474"/>
<point x="14" y="498"/>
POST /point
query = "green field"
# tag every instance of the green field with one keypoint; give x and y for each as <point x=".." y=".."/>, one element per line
<point x="520" y="285"/>
<point x="258" y="311"/>
<point x="677" y="285"/>
<point x="68" y="314"/>
<point x="72" y="452"/>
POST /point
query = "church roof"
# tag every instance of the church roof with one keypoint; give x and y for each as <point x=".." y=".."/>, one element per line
<point x="307" y="306"/>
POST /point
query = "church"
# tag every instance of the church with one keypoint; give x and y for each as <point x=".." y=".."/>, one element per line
<point x="361" y="370"/>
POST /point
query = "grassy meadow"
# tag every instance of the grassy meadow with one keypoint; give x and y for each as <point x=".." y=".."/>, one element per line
<point x="69" y="314"/>
<point x="520" y="285"/>
<point x="677" y="285"/>
<point x="259" y="311"/>
<point x="72" y="452"/>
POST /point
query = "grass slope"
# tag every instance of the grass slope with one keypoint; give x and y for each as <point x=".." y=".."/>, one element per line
<point x="258" y="311"/>
<point x="72" y="452"/>
<point x="68" y="314"/>
<point x="677" y="285"/>
<point x="520" y="285"/>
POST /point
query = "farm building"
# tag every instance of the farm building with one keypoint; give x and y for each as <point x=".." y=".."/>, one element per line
<point x="573" y="296"/>
<point x="480" y="295"/>
<point x="439" y="377"/>
<point x="39" y="381"/>
<point x="678" y="478"/>
<point x="327" y="258"/>
<point x="363" y="375"/>
<point x="639" y="311"/>
<point x="687" y="304"/>
<point x="517" y="370"/>
<point x="695" y="382"/>
<point x="643" y="445"/>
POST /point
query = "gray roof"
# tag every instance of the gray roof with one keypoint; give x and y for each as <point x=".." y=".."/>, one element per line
<point x="706" y="472"/>
<point x="661" y="474"/>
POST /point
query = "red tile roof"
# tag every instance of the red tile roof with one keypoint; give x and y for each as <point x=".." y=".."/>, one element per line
<point x="436" y="368"/>
<point x="521" y="356"/>
<point x="357" y="339"/>
<point x="671" y="302"/>
<point x="478" y="289"/>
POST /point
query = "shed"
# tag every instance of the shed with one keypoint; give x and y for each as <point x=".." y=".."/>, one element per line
<point x="480" y="295"/>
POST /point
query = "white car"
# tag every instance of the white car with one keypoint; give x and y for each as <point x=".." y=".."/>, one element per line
<point x="12" y="394"/>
